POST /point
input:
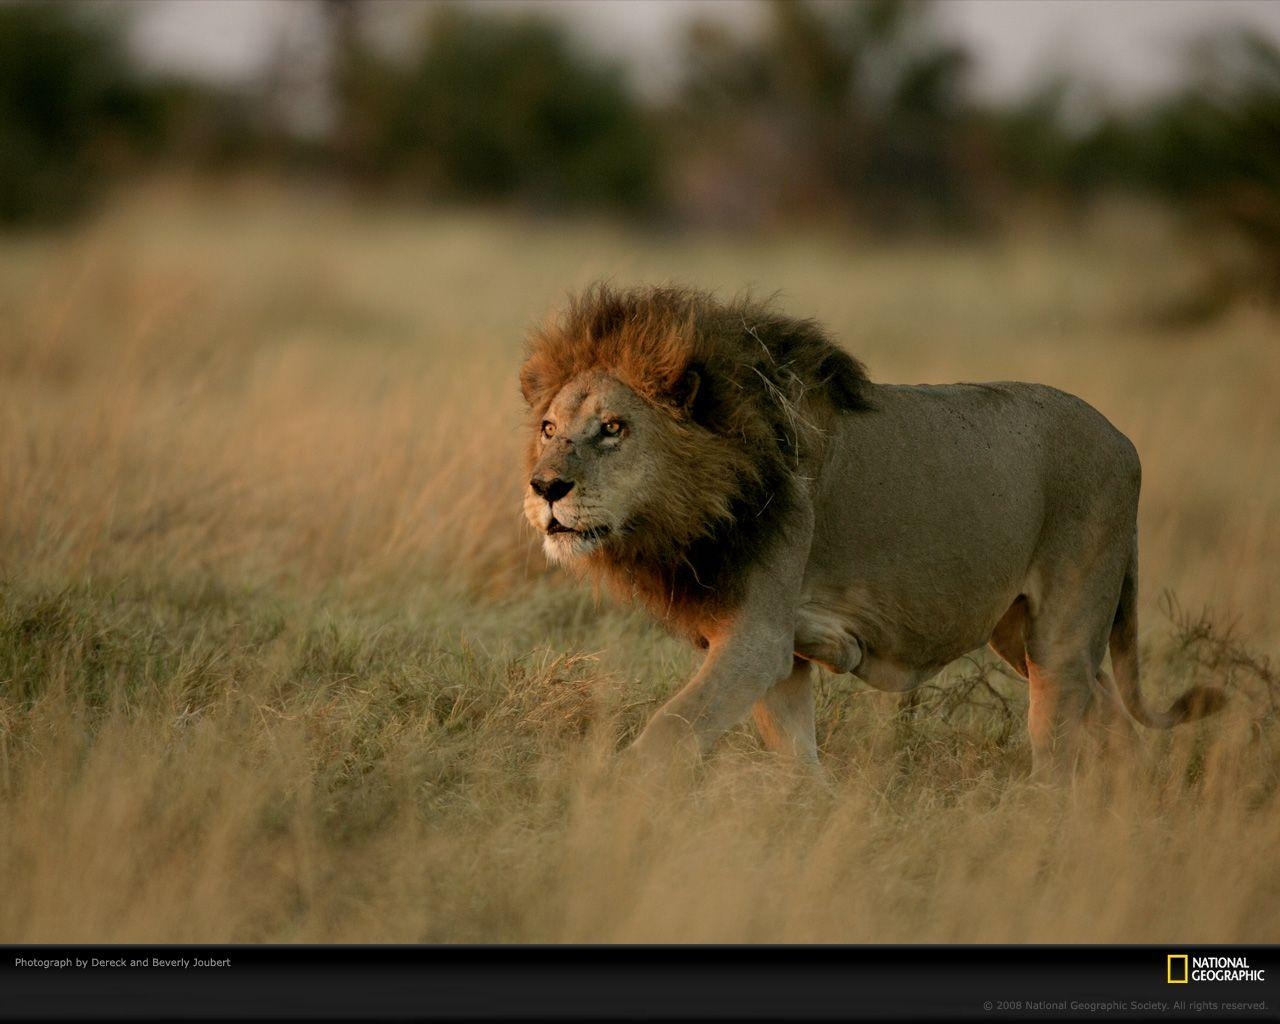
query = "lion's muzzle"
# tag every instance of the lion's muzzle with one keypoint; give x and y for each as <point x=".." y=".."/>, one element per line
<point x="551" y="488"/>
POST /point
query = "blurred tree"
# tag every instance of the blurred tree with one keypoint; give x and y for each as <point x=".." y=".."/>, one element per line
<point x="1216" y="145"/>
<point x="1062" y="145"/>
<point x="354" y="80"/>
<point x="495" y="107"/>
<point x="1211" y="150"/>
<point x="854" y="110"/>
<point x="70" y="109"/>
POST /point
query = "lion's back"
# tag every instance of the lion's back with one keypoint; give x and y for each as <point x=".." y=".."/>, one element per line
<point x="1058" y="435"/>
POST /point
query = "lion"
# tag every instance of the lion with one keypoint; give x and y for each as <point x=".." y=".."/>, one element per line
<point x="730" y="468"/>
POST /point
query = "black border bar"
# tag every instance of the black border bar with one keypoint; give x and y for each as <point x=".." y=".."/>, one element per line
<point x="436" y="983"/>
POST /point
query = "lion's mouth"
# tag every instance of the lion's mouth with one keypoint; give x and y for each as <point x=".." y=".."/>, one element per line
<point x="588" y="533"/>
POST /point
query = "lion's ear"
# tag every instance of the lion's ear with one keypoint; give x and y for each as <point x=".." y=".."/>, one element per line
<point x="686" y="390"/>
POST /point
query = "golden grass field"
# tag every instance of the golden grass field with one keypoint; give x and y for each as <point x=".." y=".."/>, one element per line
<point x="280" y="662"/>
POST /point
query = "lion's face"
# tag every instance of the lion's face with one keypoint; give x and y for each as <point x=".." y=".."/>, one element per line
<point x="596" y="462"/>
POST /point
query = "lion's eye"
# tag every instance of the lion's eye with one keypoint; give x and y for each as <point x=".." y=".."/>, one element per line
<point x="612" y="428"/>
<point x="548" y="429"/>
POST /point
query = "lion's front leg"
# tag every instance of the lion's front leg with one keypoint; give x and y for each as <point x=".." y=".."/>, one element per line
<point x="785" y="715"/>
<point x="737" y="672"/>
<point x="747" y="655"/>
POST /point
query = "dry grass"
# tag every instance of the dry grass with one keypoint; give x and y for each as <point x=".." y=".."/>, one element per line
<point x="278" y="662"/>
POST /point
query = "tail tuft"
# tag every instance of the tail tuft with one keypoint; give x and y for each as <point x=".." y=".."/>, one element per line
<point x="1197" y="702"/>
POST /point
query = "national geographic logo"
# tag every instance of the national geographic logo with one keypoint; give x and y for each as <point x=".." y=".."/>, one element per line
<point x="1183" y="968"/>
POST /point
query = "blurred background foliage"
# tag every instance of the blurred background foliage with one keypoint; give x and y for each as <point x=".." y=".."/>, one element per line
<point x="856" y="114"/>
<point x="495" y="108"/>
<point x="70" y="109"/>
<point x="855" y="111"/>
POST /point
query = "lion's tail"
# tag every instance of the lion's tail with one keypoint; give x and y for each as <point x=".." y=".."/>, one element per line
<point x="1197" y="702"/>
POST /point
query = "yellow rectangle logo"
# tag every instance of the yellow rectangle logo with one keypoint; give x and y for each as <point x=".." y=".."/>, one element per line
<point x="1180" y="976"/>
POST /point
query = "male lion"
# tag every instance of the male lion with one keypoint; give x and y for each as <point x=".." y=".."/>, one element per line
<point x="740" y="475"/>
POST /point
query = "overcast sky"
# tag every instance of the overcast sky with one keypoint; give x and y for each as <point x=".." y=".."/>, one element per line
<point x="1131" y="47"/>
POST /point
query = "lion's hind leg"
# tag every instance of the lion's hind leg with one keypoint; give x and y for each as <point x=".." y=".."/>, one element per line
<point x="1061" y="691"/>
<point x="1053" y="713"/>
<point x="1066" y="640"/>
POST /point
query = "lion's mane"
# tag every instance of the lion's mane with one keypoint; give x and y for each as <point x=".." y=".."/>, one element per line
<point x="748" y="396"/>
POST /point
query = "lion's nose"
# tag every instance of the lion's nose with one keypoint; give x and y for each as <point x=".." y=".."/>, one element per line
<point x="552" y="488"/>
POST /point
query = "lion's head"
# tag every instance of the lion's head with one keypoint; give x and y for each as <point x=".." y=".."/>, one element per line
<point x="667" y="429"/>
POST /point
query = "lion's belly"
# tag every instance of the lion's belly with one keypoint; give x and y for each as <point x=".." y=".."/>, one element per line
<point x="886" y="644"/>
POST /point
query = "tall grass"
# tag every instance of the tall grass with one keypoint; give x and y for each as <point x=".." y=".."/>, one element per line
<point x="279" y="661"/>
